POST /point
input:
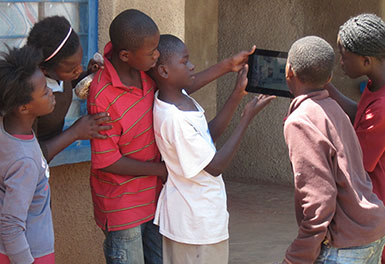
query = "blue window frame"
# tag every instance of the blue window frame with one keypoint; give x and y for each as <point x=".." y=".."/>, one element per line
<point x="16" y="20"/>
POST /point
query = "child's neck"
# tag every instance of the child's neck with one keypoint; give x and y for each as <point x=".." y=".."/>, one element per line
<point x="170" y="94"/>
<point x="127" y="75"/>
<point x="17" y="125"/>
<point x="377" y="76"/>
<point x="176" y="97"/>
<point x="302" y="89"/>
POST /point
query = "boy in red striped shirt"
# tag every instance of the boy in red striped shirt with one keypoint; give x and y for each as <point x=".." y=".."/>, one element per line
<point x="126" y="173"/>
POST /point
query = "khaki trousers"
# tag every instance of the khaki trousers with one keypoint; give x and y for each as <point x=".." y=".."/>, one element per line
<point x="180" y="253"/>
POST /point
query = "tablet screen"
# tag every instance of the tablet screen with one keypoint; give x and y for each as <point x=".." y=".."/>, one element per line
<point x="267" y="73"/>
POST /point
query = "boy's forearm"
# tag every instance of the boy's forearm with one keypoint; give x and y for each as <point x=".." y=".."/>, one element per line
<point x="131" y="167"/>
<point x="53" y="146"/>
<point x="348" y="105"/>
<point x="218" y="125"/>
<point x="224" y="156"/>
<point x="208" y="75"/>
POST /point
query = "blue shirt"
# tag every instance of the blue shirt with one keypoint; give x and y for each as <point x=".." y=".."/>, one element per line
<point x="26" y="230"/>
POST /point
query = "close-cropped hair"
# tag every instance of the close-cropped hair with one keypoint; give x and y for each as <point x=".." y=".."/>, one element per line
<point x="312" y="59"/>
<point x="364" y="35"/>
<point x="168" y="45"/>
<point x="129" y="29"/>
<point x="16" y="68"/>
<point x="48" y="34"/>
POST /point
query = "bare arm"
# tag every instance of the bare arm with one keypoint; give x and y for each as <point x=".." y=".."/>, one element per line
<point x="86" y="127"/>
<point x="218" y="125"/>
<point x="224" y="156"/>
<point x="232" y="64"/>
<point x="128" y="166"/>
<point x="347" y="104"/>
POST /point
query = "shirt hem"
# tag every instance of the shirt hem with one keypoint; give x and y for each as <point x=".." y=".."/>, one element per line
<point x="195" y="242"/>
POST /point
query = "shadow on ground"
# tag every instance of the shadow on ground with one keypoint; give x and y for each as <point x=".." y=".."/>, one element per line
<point x="262" y="222"/>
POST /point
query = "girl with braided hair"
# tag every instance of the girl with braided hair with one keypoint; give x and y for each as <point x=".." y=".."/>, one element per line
<point x="361" y="41"/>
<point x="61" y="65"/>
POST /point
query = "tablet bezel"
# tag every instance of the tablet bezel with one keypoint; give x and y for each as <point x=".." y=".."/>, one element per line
<point x="265" y="90"/>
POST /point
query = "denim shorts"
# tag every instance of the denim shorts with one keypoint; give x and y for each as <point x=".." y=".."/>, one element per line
<point x="137" y="245"/>
<point x="367" y="254"/>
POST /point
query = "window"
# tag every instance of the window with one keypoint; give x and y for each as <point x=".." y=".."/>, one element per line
<point x="16" y="20"/>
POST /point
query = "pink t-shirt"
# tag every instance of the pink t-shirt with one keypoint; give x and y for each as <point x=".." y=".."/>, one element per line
<point x="48" y="259"/>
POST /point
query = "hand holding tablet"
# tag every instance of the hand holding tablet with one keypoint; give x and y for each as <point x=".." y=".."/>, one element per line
<point x="267" y="73"/>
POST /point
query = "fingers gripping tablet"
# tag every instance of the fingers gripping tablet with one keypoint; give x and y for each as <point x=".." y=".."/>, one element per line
<point x="267" y="73"/>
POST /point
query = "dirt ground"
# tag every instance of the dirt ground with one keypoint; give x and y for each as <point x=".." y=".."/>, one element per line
<point x="262" y="222"/>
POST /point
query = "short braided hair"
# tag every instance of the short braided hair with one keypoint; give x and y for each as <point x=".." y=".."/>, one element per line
<point x="312" y="59"/>
<point x="364" y="35"/>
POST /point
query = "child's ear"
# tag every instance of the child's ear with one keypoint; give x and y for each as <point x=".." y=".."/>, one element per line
<point x="23" y="109"/>
<point x="330" y="78"/>
<point x="162" y="71"/>
<point x="289" y="72"/>
<point x="367" y="60"/>
<point x="124" y="55"/>
<point x="44" y="70"/>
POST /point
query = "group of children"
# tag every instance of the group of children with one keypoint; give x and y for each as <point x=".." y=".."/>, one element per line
<point x="156" y="182"/>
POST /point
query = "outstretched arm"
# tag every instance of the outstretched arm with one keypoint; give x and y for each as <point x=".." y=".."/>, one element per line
<point x="232" y="64"/>
<point x="347" y="104"/>
<point x="224" y="156"/>
<point x="218" y="125"/>
<point x="86" y="127"/>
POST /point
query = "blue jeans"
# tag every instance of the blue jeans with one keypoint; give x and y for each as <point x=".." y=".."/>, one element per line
<point x="137" y="245"/>
<point x="367" y="254"/>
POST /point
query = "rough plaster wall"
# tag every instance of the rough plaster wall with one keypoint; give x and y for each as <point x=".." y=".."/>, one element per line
<point x="276" y="25"/>
<point x="77" y="238"/>
<point x="168" y="15"/>
<point x="201" y="26"/>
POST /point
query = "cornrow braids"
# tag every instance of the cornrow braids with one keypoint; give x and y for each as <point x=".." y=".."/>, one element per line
<point x="364" y="35"/>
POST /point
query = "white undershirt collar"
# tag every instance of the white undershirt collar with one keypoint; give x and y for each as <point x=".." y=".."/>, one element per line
<point x="55" y="85"/>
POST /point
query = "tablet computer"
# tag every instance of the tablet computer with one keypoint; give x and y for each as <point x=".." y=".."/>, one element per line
<point x="267" y="73"/>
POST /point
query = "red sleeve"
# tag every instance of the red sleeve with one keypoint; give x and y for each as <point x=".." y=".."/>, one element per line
<point x="370" y="130"/>
<point x="105" y="152"/>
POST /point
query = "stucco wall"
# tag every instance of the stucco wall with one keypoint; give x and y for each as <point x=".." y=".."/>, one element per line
<point x="201" y="38"/>
<point x="77" y="238"/>
<point x="168" y="15"/>
<point x="276" y="25"/>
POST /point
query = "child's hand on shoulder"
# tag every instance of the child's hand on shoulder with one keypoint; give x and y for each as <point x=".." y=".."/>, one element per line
<point x="256" y="105"/>
<point x="89" y="126"/>
<point x="236" y="62"/>
<point x="95" y="63"/>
